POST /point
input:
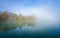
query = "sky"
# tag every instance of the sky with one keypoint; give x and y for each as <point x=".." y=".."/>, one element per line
<point x="43" y="9"/>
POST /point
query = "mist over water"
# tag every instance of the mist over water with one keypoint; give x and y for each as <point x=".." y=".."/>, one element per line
<point x="46" y="12"/>
<point x="41" y="28"/>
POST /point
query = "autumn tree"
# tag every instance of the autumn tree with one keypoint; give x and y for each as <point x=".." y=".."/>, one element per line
<point x="3" y="19"/>
<point x="21" y="20"/>
<point x="11" y="21"/>
<point x="30" y="20"/>
<point x="3" y="16"/>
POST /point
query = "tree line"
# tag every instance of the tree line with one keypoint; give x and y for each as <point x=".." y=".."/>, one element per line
<point x="10" y="21"/>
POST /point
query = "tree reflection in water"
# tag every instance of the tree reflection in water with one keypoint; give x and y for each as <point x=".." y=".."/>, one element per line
<point x="12" y="21"/>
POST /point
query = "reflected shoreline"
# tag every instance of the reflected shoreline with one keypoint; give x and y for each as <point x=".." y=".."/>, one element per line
<point x="55" y="33"/>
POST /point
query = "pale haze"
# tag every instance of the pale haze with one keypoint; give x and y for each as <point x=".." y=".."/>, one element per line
<point x="46" y="11"/>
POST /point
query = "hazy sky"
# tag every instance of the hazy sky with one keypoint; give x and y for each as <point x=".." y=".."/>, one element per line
<point x="45" y="9"/>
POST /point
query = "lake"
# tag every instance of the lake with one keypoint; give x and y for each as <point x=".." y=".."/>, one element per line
<point x="28" y="32"/>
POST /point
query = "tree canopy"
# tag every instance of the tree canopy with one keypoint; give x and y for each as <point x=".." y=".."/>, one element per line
<point x="11" y="20"/>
